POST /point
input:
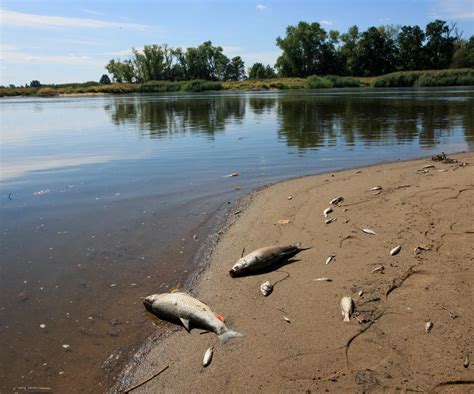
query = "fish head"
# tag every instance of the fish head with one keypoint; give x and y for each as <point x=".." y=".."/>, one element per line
<point x="238" y="267"/>
<point x="148" y="301"/>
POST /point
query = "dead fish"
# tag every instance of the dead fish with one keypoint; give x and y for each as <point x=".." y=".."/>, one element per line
<point x="284" y="221"/>
<point x="266" y="288"/>
<point x="347" y="306"/>
<point x="360" y="293"/>
<point x="322" y="280"/>
<point x="231" y="175"/>
<point x="208" y="357"/>
<point x="263" y="258"/>
<point x="336" y="200"/>
<point x="380" y="269"/>
<point x="286" y="319"/>
<point x="427" y="166"/>
<point x="190" y="311"/>
<point x="330" y="258"/>
<point x="369" y="231"/>
<point x="375" y="188"/>
<point x="395" y="250"/>
<point x="327" y="221"/>
<point x="466" y="361"/>
<point x="428" y="326"/>
<point x="326" y="212"/>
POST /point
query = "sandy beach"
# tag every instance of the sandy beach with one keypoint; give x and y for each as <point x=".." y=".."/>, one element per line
<point x="385" y="346"/>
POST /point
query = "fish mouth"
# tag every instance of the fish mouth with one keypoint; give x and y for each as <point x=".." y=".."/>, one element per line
<point x="233" y="273"/>
<point x="148" y="303"/>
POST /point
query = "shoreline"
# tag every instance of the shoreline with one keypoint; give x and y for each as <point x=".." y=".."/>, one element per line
<point x="164" y="340"/>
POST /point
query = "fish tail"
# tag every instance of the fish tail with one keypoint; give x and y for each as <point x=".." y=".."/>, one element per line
<point x="228" y="335"/>
<point x="347" y="318"/>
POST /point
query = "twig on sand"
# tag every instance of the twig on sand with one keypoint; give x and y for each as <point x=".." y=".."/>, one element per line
<point x="146" y="380"/>
<point x="281" y="280"/>
<point x="453" y="382"/>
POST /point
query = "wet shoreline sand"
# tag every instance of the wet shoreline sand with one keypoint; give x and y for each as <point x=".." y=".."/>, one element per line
<point x="429" y="207"/>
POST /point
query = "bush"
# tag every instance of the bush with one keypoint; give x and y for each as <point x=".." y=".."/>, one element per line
<point x="344" y="82"/>
<point x="158" y="86"/>
<point x="315" y="82"/>
<point x="47" y="92"/>
<point x="450" y="77"/>
<point x="200" y="86"/>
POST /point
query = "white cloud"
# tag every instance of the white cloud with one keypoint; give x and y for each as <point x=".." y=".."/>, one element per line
<point x="9" y="54"/>
<point x="327" y="23"/>
<point x="20" y="19"/>
<point x="261" y="7"/>
<point x="455" y="9"/>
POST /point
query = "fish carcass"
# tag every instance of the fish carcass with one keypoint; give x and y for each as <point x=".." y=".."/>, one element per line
<point x="263" y="258"/>
<point x="190" y="311"/>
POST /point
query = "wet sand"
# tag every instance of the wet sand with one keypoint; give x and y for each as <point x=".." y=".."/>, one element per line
<point x="317" y="351"/>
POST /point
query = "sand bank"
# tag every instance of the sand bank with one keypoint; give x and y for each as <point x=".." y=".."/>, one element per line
<point x="432" y="208"/>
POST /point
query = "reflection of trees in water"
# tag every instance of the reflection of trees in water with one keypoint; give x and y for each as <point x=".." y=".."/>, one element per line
<point x="309" y="122"/>
<point x="177" y="115"/>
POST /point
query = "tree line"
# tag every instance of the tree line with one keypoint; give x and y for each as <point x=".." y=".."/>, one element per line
<point x="308" y="49"/>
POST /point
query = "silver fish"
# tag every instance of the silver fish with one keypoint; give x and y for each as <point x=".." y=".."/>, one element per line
<point x="190" y="311"/>
<point x="208" y="357"/>
<point x="322" y="280"/>
<point x="263" y="258"/>
<point x="266" y="288"/>
<point x="330" y="220"/>
<point x="347" y="306"/>
<point x="326" y="212"/>
<point x="375" y="188"/>
<point x="330" y="258"/>
<point x="380" y="268"/>
<point x="336" y="200"/>
<point x="395" y="250"/>
<point x="369" y="231"/>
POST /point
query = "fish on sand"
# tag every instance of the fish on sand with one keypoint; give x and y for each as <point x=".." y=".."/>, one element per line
<point x="190" y="311"/>
<point x="263" y="258"/>
<point x="347" y="306"/>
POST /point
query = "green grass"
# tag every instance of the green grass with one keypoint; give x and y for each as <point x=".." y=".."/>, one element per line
<point x="450" y="77"/>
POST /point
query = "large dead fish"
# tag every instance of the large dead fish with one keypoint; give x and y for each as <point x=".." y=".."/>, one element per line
<point x="190" y="311"/>
<point x="263" y="258"/>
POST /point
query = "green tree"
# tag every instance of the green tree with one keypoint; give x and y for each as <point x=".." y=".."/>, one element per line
<point x="122" y="71"/>
<point x="439" y="48"/>
<point x="348" y="50"/>
<point x="235" y="69"/>
<point x="463" y="56"/>
<point x="305" y="51"/>
<point x="149" y="63"/>
<point x="104" y="79"/>
<point x="35" y="84"/>
<point x="259" y="71"/>
<point x="410" y="48"/>
<point x="375" y="53"/>
<point x="206" y="62"/>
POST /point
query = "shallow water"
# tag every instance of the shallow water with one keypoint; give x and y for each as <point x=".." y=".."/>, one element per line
<point x="101" y="198"/>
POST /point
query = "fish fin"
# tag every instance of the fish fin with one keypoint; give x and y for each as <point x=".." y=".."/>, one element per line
<point x="300" y="248"/>
<point x="228" y="335"/>
<point x="185" y="323"/>
<point x="220" y="317"/>
<point x="347" y="318"/>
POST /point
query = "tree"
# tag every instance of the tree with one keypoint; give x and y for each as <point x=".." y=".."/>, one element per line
<point x="104" y="79"/>
<point x="305" y="51"/>
<point x="259" y="71"/>
<point x="35" y="84"/>
<point x="375" y="53"/>
<point x="463" y="56"/>
<point x="348" y="50"/>
<point x="410" y="48"/>
<point x="235" y="69"/>
<point x="439" y="48"/>
<point x="206" y="62"/>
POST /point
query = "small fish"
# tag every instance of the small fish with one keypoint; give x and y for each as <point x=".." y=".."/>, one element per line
<point x="375" y="188"/>
<point x="395" y="250"/>
<point x="347" y="306"/>
<point x="322" y="280"/>
<point x="330" y="258"/>
<point x="330" y="220"/>
<point x="263" y="258"/>
<point x="466" y="361"/>
<point x="284" y="221"/>
<point x="208" y="357"/>
<point x="231" y="175"/>
<point x="190" y="311"/>
<point x="428" y="326"/>
<point x="326" y="212"/>
<point x="266" y="288"/>
<point x="286" y="319"/>
<point x="380" y="269"/>
<point x="427" y="166"/>
<point x="369" y="231"/>
<point x="336" y="200"/>
<point x="360" y="293"/>
<point x="290" y="197"/>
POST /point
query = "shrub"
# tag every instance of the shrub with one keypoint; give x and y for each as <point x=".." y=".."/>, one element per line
<point x="315" y="82"/>
<point x="344" y="82"/>
<point x="200" y="86"/>
<point x="47" y="92"/>
<point x="158" y="86"/>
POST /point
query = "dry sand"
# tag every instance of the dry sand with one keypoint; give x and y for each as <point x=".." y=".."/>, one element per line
<point x="317" y="351"/>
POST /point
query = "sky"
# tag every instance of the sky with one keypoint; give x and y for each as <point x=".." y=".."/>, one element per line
<point x="59" y="41"/>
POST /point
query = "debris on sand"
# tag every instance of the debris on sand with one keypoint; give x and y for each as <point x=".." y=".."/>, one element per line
<point x="375" y="188"/>
<point x="395" y="250"/>
<point x="283" y="221"/>
<point x="266" y="288"/>
<point x="380" y="269"/>
<point x="322" y="280"/>
<point x="328" y="221"/>
<point x="347" y="306"/>
<point x="286" y="319"/>
<point x="336" y="200"/>
<point x="428" y="326"/>
<point x="327" y="211"/>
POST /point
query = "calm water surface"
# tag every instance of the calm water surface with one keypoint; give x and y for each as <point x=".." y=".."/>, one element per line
<point x="101" y="198"/>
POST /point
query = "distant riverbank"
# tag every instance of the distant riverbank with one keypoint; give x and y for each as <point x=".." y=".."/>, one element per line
<point x="449" y="77"/>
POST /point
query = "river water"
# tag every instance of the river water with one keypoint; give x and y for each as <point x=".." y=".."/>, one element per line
<point x="107" y="199"/>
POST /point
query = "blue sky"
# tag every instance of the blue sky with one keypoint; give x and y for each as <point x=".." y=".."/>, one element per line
<point x="71" y="41"/>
